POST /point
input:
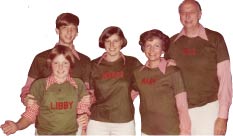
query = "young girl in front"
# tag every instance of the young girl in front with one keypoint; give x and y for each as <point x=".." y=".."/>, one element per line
<point x="163" y="102"/>
<point x="56" y="96"/>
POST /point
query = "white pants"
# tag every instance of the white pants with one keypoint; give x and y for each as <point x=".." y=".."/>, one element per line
<point x="105" y="128"/>
<point x="143" y="134"/>
<point x="203" y="118"/>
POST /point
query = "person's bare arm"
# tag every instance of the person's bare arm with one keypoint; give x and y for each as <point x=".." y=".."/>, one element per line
<point x="10" y="127"/>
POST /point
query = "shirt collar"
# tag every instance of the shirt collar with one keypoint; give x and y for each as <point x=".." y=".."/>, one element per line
<point x="105" y="55"/>
<point x="51" y="80"/>
<point x="74" y="52"/>
<point x="162" y="65"/>
<point x="201" y="33"/>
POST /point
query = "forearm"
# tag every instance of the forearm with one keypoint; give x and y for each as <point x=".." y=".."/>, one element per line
<point x="84" y="105"/>
<point x="31" y="113"/>
<point x="182" y="107"/>
<point x="23" y="123"/>
<point x="26" y="89"/>
<point x="225" y="88"/>
<point x="134" y="94"/>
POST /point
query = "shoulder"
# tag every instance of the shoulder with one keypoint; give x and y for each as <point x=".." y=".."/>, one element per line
<point x="78" y="81"/>
<point x="172" y="39"/>
<point x="84" y="57"/>
<point x="41" y="57"/>
<point x="96" y="60"/>
<point x="213" y="35"/>
<point x="131" y="59"/>
<point x="210" y="32"/>
<point x="43" y="54"/>
<point x="138" y="69"/>
<point x="39" y="82"/>
<point x="172" y="69"/>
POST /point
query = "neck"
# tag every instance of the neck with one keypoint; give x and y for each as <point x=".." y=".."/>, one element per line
<point x="192" y="32"/>
<point x="70" y="45"/>
<point x="112" y="58"/>
<point x="153" y="63"/>
<point x="60" y="80"/>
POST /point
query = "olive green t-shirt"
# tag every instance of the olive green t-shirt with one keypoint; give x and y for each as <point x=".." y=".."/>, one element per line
<point x="57" y="106"/>
<point x="159" y="114"/>
<point x="197" y="60"/>
<point x="112" y="88"/>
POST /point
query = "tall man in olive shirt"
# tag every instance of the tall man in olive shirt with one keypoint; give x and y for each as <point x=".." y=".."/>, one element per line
<point x="202" y="56"/>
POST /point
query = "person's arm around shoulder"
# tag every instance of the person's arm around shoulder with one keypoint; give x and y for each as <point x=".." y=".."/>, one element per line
<point x="25" y="91"/>
<point x="83" y="106"/>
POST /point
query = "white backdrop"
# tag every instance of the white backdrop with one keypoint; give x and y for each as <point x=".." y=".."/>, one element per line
<point x="27" y="27"/>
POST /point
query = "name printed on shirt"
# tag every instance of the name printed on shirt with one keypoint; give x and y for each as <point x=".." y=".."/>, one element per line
<point x="111" y="75"/>
<point x="189" y="51"/>
<point x="61" y="105"/>
<point x="148" y="81"/>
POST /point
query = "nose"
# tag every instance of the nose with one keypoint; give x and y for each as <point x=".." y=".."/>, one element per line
<point x="60" y="66"/>
<point x="69" y="30"/>
<point x="152" y="48"/>
<point x="188" y="14"/>
<point x="111" y="44"/>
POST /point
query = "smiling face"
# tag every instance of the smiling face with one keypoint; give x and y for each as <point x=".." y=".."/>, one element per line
<point x="67" y="34"/>
<point x="153" y="49"/>
<point x="113" y="45"/>
<point x="60" y="67"/>
<point x="190" y="14"/>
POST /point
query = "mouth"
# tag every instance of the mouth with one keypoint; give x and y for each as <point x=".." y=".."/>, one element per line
<point x="188" y="22"/>
<point x="60" y="72"/>
<point x="151" y="54"/>
<point x="111" y="49"/>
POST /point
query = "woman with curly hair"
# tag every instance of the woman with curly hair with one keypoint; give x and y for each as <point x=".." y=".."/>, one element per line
<point x="163" y="100"/>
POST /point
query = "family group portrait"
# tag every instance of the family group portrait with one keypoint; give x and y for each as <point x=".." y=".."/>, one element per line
<point x="123" y="68"/>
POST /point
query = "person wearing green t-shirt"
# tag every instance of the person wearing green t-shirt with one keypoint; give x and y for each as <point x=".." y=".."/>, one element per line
<point x="67" y="30"/>
<point x="113" y="110"/>
<point x="57" y="98"/>
<point x="203" y="58"/>
<point x="163" y="98"/>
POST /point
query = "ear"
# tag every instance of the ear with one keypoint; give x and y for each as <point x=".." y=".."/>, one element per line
<point x="163" y="52"/>
<point x="199" y="15"/>
<point x="57" y="31"/>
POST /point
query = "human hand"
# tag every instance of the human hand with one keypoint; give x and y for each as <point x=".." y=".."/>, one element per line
<point x="92" y="96"/>
<point x="82" y="120"/>
<point x="84" y="132"/>
<point x="171" y="62"/>
<point x="184" y="132"/>
<point x="220" y="126"/>
<point x="29" y="100"/>
<point x="9" y="127"/>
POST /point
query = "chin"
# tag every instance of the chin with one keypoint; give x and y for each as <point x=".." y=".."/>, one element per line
<point x="154" y="59"/>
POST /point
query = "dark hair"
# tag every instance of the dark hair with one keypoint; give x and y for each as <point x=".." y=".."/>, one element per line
<point x="191" y="1"/>
<point x="109" y="31"/>
<point x="66" y="19"/>
<point x="150" y="35"/>
<point x="58" y="50"/>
